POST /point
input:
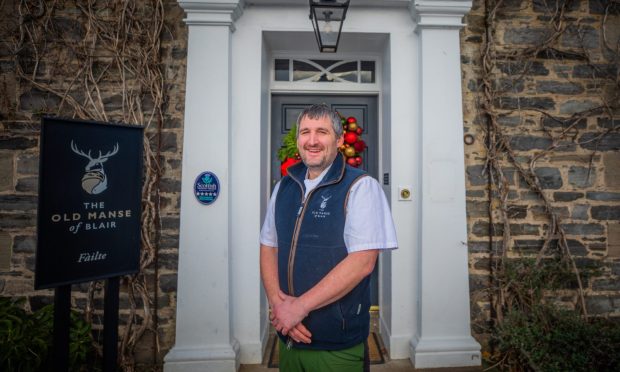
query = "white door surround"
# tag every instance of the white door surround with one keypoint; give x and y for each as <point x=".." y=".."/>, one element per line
<point x="221" y="311"/>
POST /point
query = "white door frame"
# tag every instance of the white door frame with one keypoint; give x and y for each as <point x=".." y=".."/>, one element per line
<point x="221" y="310"/>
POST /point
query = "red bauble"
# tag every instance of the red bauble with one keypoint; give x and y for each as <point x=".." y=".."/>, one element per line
<point x="352" y="162"/>
<point x="351" y="119"/>
<point x="358" y="160"/>
<point x="287" y="163"/>
<point x="350" y="137"/>
<point x="359" y="130"/>
<point x="359" y="146"/>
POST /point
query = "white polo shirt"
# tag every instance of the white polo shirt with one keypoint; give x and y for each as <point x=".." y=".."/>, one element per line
<point x="368" y="223"/>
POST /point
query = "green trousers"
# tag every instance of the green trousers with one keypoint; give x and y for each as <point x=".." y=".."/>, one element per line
<point x="301" y="360"/>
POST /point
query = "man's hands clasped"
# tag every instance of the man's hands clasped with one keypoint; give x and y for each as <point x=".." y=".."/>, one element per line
<point x="287" y="312"/>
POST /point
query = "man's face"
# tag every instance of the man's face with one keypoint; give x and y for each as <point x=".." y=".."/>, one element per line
<point x="317" y="144"/>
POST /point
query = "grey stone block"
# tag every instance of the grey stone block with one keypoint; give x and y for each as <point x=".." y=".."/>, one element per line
<point x="586" y="263"/>
<point x="583" y="228"/>
<point x="482" y="263"/>
<point x="28" y="164"/>
<point x="24" y="244"/>
<point x="549" y="7"/>
<point x="550" y="178"/>
<point x="594" y="141"/>
<point x="173" y="123"/>
<point x="580" y="212"/>
<point x="576" y="248"/>
<point x="474" y="173"/>
<point x="481" y="228"/>
<point x="27" y="184"/>
<point x="519" y="68"/>
<point x="475" y="193"/>
<point x="12" y="221"/>
<point x="18" y="203"/>
<point x="170" y="223"/>
<point x="597" y="71"/>
<point x="169" y="241"/>
<point x="168" y="260"/>
<point x="477" y="208"/>
<point x="114" y="102"/>
<point x="581" y="176"/>
<point x="509" y="121"/>
<point x="517" y="211"/>
<point x="169" y="142"/>
<point x="602" y="6"/>
<point x="38" y="101"/>
<point x="517" y="103"/>
<point x="528" y="245"/>
<point x="576" y="106"/>
<point x="527" y="143"/>
<point x="69" y="28"/>
<point x="483" y="246"/>
<point x="179" y="53"/>
<point x="39" y="301"/>
<point x="560" y="55"/>
<point x="603" y="196"/>
<point x="598" y="304"/>
<point x="168" y="283"/>
<point x="561" y="196"/>
<point x="564" y="123"/>
<point x="581" y="36"/>
<point x="6" y="171"/>
<point x="597" y="247"/>
<point x="607" y="123"/>
<point x="524" y="229"/>
<point x="605" y="212"/>
<point x="558" y="87"/>
<point x="170" y="185"/>
<point x="478" y="282"/>
<point x="526" y="36"/>
<point x="17" y="143"/>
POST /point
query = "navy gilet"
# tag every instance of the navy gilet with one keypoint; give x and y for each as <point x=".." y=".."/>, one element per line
<point x="310" y="244"/>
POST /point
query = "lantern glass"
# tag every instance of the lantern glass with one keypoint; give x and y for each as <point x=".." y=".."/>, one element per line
<point x="327" y="17"/>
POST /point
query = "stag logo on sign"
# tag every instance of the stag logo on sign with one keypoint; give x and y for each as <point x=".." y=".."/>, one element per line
<point x="94" y="180"/>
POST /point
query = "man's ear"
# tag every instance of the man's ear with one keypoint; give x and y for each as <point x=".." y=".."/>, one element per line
<point x="340" y="140"/>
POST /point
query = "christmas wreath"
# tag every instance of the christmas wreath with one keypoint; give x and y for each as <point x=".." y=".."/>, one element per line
<point x="352" y="148"/>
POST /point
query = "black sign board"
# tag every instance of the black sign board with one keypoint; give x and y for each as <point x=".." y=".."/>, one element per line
<point x="90" y="183"/>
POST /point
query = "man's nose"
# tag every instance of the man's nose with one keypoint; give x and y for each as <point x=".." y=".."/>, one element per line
<point x="313" y="139"/>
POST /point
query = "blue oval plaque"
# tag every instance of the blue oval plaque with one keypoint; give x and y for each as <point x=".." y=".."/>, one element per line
<point x="206" y="188"/>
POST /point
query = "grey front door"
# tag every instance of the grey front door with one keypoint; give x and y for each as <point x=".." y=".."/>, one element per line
<point x="285" y="109"/>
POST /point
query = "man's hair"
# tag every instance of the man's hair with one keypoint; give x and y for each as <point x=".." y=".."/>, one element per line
<point x="319" y="111"/>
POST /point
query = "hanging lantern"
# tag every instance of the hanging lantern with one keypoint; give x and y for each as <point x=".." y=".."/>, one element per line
<point x="327" y="17"/>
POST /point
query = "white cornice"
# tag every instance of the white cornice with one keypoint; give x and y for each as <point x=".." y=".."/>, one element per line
<point x="212" y="12"/>
<point x="439" y="13"/>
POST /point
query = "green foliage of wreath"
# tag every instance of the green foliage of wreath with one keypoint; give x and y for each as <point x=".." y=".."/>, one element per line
<point x="289" y="145"/>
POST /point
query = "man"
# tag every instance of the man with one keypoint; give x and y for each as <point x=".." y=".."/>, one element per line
<point x="324" y="227"/>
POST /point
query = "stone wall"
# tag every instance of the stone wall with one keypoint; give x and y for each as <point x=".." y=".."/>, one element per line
<point x="22" y="104"/>
<point x="555" y="98"/>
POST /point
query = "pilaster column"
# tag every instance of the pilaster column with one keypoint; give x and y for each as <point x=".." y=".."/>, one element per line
<point x="204" y="340"/>
<point x="444" y="337"/>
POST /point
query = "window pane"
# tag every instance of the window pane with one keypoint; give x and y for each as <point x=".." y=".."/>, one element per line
<point x="346" y="71"/>
<point x="303" y="70"/>
<point x="282" y="70"/>
<point x="368" y="72"/>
